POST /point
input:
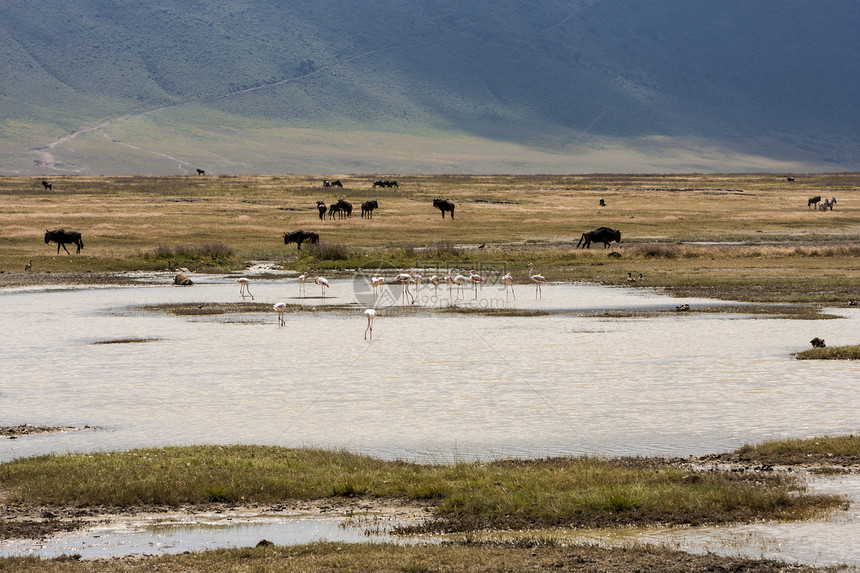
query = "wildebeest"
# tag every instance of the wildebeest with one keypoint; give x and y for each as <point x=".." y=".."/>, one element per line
<point x="444" y="205"/>
<point x="298" y="237"/>
<point x="62" y="238"/>
<point x="603" y="235"/>
<point x="321" y="207"/>
<point x="367" y="209"/>
<point x="813" y="201"/>
<point x="602" y="203"/>
<point x="789" y="178"/>
<point x="386" y="183"/>
<point x="817" y="342"/>
<point x="343" y="209"/>
<point x="47" y="185"/>
<point x="335" y="183"/>
<point x="201" y="172"/>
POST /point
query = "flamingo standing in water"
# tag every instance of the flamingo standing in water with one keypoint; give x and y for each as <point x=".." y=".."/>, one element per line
<point x="416" y="278"/>
<point x="281" y="308"/>
<point x="434" y="280"/>
<point x="322" y="283"/>
<point x="303" y="278"/>
<point x="244" y="286"/>
<point x="369" y="313"/>
<point x="508" y="279"/>
<point x="405" y="279"/>
<point x="476" y="280"/>
<point x="450" y="281"/>
<point x="375" y="283"/>
<point x="459" y="280"/>
<point x="538" y="280"/>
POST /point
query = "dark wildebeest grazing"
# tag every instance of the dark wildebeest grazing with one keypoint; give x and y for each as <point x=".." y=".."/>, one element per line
<point x="298" y="237"/>
<point x="813" y="201"/>
<point x="47" y="185"/>
<point x="817" y="342"/>
<point x="603" y="235"/>
<point x="321" y="207"/>
<point x="342" y="208"/>
<point x="789" y="178"/>
<point x="337" y="183"/>
<point x="444" y="205"/>
<point x="62" y="238"/>
<point x="201" y="172"/>
<point x="602" y="203"/>
<point x="367" y="209"/>
<point x="378" y="183"/>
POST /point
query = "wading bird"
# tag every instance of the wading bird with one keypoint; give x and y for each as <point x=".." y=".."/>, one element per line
<point x="375" y="283"/>
<point x="537" y="279"/>
<point x="476" y="280"/>
<point x="449" y="279"/>
<point x="434" y="280"/>
<point x="459" y="280"/>
<point x="508" y="279"/>
<point x="303" y="278"/>
<point x="405" y="279"/>
<point x="244" y="286"/>
<point x="369" y="313"/>
<point x="281" y="308"/>
<point x="323" y="284"/>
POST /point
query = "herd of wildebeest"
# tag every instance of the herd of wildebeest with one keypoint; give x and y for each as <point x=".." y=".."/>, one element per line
<point x="343" y="209"/>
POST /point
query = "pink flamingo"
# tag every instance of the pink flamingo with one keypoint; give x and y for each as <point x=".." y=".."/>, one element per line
<point x="370" y="314"/>
<point x="405" y="279"/>
<point x="538" y="280"/>
<point x="244" y="286"/>
<point x="322" y="283"/>
<point x="508" y="279"/>
<point x="281" y="308"/>
<point x="476" y="280"/>
<point x="303" y="278"/>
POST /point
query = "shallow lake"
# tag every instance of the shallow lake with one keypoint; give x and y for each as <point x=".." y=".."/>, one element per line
<point x="430" y="387"/>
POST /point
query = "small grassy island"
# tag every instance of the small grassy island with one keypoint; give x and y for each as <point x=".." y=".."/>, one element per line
<point x="461" y="498"/>
<point x="831" y="353"/>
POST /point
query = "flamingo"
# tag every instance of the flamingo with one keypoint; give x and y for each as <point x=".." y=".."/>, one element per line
<point x="450" y="281"/>
<point x="302" y="280"/>
<point x="538" y="280"/>
<point x="434" y="280"/>
<point x="375" y="283"/>
<point x="405" y="279"/>
<point x="281" y="308"/>
<point x="244" y="286"/>
<point x="508" y="279"/>
<point x="369" y="313"/>
<point x="322" y="283"/>
<point x="459" y="280"/>
<point x="476" y="280"/>
<point x="416" y="278"/>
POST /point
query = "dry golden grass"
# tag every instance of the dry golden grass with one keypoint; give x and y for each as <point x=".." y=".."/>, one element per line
<point x="787" y="251"/>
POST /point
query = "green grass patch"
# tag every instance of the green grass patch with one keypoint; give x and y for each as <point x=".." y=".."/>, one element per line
<point x="465" y="496"/>
<point x="831" y="353"/>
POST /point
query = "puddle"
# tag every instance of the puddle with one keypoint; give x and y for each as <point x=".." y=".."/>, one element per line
<point x="178" y="533"/>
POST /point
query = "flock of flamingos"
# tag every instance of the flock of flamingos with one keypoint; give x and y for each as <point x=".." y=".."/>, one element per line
<point x="405" y="279"/>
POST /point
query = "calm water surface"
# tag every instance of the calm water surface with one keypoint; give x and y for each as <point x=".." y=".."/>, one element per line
<point x="430" y="387"/>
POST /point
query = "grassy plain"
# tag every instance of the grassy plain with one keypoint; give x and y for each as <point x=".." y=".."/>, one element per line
<point x="745" y="237"/>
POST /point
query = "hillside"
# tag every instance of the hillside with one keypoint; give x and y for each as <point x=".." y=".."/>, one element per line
<point x="410" y="86"/>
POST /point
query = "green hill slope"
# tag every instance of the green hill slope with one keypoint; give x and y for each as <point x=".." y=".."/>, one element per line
<point x="408" y="85"/>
